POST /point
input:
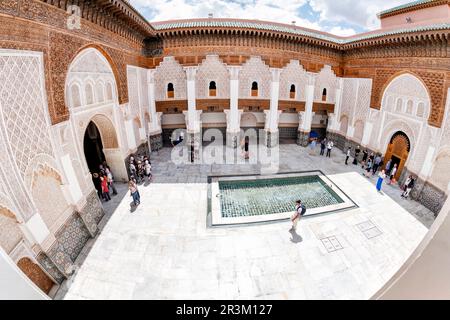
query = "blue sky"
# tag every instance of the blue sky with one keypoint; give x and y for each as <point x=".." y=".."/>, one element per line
<point x="340" y="17"/>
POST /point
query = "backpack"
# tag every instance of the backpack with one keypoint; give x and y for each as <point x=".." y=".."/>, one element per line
<point x="303" y="209"/>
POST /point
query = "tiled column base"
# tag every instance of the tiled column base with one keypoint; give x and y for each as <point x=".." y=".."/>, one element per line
<point x="92" y="213"/>
<point x="272" y="139"/>
<point x="156" y="141"/>
<point x="48" y="265"/>
<point x="194" y="140"/>
<point x="233" y="139"/>
<point x="302" y="138"/>
<point x="425" y="193"/>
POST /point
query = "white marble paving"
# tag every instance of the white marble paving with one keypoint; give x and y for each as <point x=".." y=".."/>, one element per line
<point x="164" y="250"/>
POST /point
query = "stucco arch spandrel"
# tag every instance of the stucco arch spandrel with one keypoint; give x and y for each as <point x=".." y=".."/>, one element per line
<point x="40" y="162"/>
<point x="64" y="48"/>
<point x="432" y="84"/>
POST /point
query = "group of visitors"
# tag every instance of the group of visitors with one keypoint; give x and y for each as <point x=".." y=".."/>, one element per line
<point x="325" y="144"/>
<point x="372" y="162"/>
<point x="104" y="182"/>
<point x="140" y="170"/>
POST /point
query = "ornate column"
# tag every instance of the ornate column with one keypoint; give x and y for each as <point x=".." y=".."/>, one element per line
<point x="303" y="133"/>
<point x="233" y="115"/>
<point x="271" y="126"/>
<point x="154" y="127"/>
<point x="193" y="124"/>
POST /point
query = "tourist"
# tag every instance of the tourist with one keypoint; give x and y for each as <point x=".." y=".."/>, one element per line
<point x="105" y="189"/>
<point x="388" y="166"/>
<point x="329" y="147"/>
<point x="148" y="170"/>
<point x="97" y="184"/>
<point x="368" y="168"/>
<point x="408" y="180"/>
<point x="364" y="158"/>
<point x="408" y="187"/>
<point x="348" y="155"/>
<point x="312" y="145"/>
<point x="110" y="178"/>
<point x="101" y="170"/>
<point x="392" y="174"/>
<point x="132" y="168"/>
<point x="132" y="186"/>
<point x="300" y="210"/>
<point x="376" y="164"/>
<point x="357" y="151"/>
<point x="140" y="171"/>
<point x="381" y="177"/>
<point x="322" y="146"/>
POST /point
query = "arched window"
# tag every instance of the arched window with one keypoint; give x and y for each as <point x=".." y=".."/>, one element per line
<point x="254" y="89"/>
<point x="76" y="99"/>
<point x="100" y="95"/>
<point x="109" y="92"/>
<point x="409" y="107"/>
<point x="212" y="89"/>
<point x="292" y="92"/>
<point x="324" y="94"/>
<point x="170" y="91"/>
<point x="398" y="107"/>
<point x="89" y="94"/>
<point x="420" y="109"/>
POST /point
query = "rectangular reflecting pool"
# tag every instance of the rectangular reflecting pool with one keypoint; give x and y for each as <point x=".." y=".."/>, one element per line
<point x="247" y="199"/>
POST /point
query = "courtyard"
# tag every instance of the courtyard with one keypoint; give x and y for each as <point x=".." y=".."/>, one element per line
<point x="165" y="249"/>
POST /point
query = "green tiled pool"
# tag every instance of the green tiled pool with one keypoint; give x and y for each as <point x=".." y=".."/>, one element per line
<point x="241" y="198"/>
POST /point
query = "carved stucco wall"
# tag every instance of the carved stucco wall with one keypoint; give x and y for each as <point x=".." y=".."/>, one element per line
<point x="10" y="233"/>
<point x="170" y="71"/>
<point x="90" y="80"/>
<point x="326" y="78"/>
<point x="254" y="69"/>
<point x="212" y="69"/>
<point x="400" y="103"/>
<point x="293" y="74"/>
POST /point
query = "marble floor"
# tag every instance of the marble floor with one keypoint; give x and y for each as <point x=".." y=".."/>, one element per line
<point x="165" y="250"/>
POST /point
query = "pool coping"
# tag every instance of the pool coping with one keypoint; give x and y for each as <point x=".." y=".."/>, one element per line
<point x="215" y="219"/>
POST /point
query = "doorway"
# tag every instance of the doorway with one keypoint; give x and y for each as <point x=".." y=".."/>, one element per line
<point x="398" y="151"/>
<point x="93" y="147"/>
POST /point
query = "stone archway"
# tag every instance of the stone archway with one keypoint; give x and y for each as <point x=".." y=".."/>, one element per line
<point x="35" y="274"/>
<point x="104" y="146"/>
<point x="398" y="151"/>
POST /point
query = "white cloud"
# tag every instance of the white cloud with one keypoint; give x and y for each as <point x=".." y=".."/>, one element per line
<point x="335" y="16"/>
<point x="343" y="32"/>
<point x="268" y="10"/>
<point x="360" y="13"/>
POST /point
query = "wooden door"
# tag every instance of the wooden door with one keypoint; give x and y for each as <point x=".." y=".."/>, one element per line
<point x="399" y="147"/>
<point x="35" y="273"/>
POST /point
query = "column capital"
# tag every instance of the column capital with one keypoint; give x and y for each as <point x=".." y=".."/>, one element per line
<point x="191" y="72"/>
<point x="234" y="72"/>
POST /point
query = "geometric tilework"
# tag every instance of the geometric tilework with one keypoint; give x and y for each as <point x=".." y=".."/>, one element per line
<point x="72" y="237"/>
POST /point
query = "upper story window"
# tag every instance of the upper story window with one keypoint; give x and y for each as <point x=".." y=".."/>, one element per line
<point x="212" y="89"/>
<point x="170" y="90"/>
<point x="254" y="89"/>
<point x="398" y="107"/>
<point x="324" y="94"/>
<point x="292" y="92"/>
